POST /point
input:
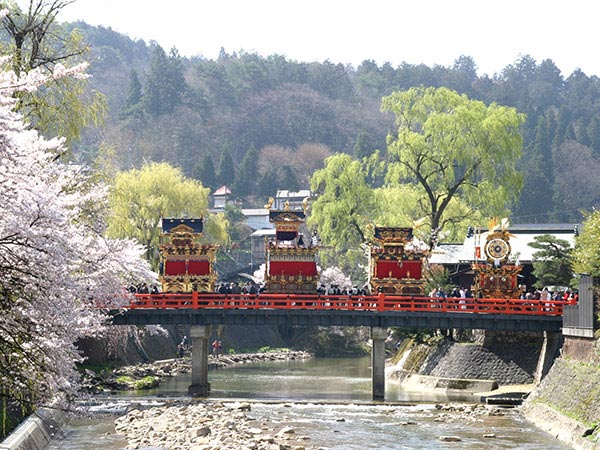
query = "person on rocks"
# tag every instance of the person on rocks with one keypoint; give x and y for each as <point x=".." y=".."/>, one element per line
<point x="216" y="348"/>
<point x="182" y="347"/>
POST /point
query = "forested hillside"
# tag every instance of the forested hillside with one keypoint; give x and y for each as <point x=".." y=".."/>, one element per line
<point x="274" y="120"/>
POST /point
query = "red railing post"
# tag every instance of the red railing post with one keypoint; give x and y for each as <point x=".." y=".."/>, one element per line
<point x="380" y="301"/>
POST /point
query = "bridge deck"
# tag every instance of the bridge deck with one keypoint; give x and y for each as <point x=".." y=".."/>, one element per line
<point x="379" y="311"/>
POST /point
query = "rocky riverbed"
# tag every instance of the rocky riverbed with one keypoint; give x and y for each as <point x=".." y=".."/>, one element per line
<point x="206" y="425"/>
<point x="149" y="375"/>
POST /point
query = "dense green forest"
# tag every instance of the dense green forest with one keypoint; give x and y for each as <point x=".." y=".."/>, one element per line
<point x="261" y="123"/>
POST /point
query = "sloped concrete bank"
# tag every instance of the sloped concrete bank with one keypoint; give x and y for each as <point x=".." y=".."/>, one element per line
<point x="36" y="431"/>
<point x="505" y="359"/>
<point x="566" y="404"/>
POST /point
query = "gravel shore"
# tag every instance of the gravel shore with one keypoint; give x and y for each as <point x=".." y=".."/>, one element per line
<point x="205" y="426"/>
<point x="149" y="375"/>
<point x="216" y="425"/>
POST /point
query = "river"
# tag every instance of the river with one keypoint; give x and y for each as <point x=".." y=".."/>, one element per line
<point x="327" y="400"/>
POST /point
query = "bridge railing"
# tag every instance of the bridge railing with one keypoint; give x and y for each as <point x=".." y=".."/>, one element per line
<point x="380" y="302"/>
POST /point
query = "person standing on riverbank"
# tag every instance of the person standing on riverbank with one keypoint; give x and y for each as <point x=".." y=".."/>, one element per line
<point x="182" y="347"/>
<point x="216" y="348"/>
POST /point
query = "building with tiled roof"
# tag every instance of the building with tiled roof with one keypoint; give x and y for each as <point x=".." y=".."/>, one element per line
<point x="457" y="258"/>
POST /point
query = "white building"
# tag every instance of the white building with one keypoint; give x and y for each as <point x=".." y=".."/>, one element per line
<point x="295" y="199"/>
<point x="257" y="218"/>
<point x="221" y="197"/>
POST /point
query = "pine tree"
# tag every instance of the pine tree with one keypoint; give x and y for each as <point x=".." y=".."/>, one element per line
<point x="165" y="84"/>
<point x="205" y="172"/>
<point x="246" y="183"/>
<point x="177" y="86"/>
<point x="226" y="171"/>
<point x="132" y="105"/>
<point x="362" y="149"/>
<point x="289" y="179"/>
<point x="268" y="183"/>
<point x="593" y="131"/>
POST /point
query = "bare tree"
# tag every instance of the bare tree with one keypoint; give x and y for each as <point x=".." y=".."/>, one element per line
<point x="35" y="35"/>
<point x="63" y="107"/>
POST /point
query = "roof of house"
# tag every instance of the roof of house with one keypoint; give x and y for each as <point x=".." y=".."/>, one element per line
<point x="255" y="212"/>
<point x="446" y="254"/>
<point x="265" y="232"/>
<point x="287" y="194"/>
<point x="223" y="190"/>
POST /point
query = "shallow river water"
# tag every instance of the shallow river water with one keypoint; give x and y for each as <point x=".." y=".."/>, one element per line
<point x="327" y="400"/>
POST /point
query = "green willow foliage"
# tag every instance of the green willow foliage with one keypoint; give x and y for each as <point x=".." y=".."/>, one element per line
<point x="450" y="146"/>
<point x="140" y="198"/>
<point x="586" y="255"/>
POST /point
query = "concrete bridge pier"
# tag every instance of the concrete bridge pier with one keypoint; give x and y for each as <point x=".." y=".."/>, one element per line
<point x="378" y="337"/>
<point x="548" y="354"/>
<point x="199" y="335"/>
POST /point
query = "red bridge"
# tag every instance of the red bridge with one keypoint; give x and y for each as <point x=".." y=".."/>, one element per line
<point x="378" y="312"/>
<point x="382" y="310"/>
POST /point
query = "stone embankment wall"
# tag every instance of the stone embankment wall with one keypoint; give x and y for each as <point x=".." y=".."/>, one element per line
<point x="158" y="347"/>
<point x="505" y="358"/>
<point x="566" y="404"/>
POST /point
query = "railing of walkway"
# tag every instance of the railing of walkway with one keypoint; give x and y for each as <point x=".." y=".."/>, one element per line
<point x="380" y="302"/>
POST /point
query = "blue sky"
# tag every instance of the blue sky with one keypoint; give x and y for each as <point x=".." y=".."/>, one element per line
<point x="432" y="32"/>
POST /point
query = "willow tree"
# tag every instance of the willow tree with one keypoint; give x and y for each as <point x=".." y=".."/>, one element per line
<point x="450" y="146"/>
<point x="343" y="209"/>
<point x="401" y="205"/>
<point x="586" y="254"/>
<point x="139" y="198"/>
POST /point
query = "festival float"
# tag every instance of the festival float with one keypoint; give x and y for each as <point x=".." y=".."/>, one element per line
<point x="291" y="265"/>
<point x="396" y="266"/>
<point x="186" y="264"/>
<point x="495" y="275"/>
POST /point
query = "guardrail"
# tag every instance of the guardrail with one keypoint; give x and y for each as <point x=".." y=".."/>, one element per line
<point x="380" y="302"/>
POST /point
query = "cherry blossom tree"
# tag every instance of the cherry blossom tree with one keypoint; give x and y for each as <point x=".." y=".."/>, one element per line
<point x="334" y="276"/>
<point x="55" y="263"/>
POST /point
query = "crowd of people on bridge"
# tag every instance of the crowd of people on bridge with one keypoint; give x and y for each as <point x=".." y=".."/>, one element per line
<point x="252" y="288"/>
<point x="143" y="288"/>
<point x="457" y="292"/>
<point x="234" y="288"/>
<point x="564" y="294"/>
<point x="335" y="289"/>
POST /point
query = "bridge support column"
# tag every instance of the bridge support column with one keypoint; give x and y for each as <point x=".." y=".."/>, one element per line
<point x="378" y="336"/>
<point x="547" y="354"/>
<point x="200" y="386"/>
